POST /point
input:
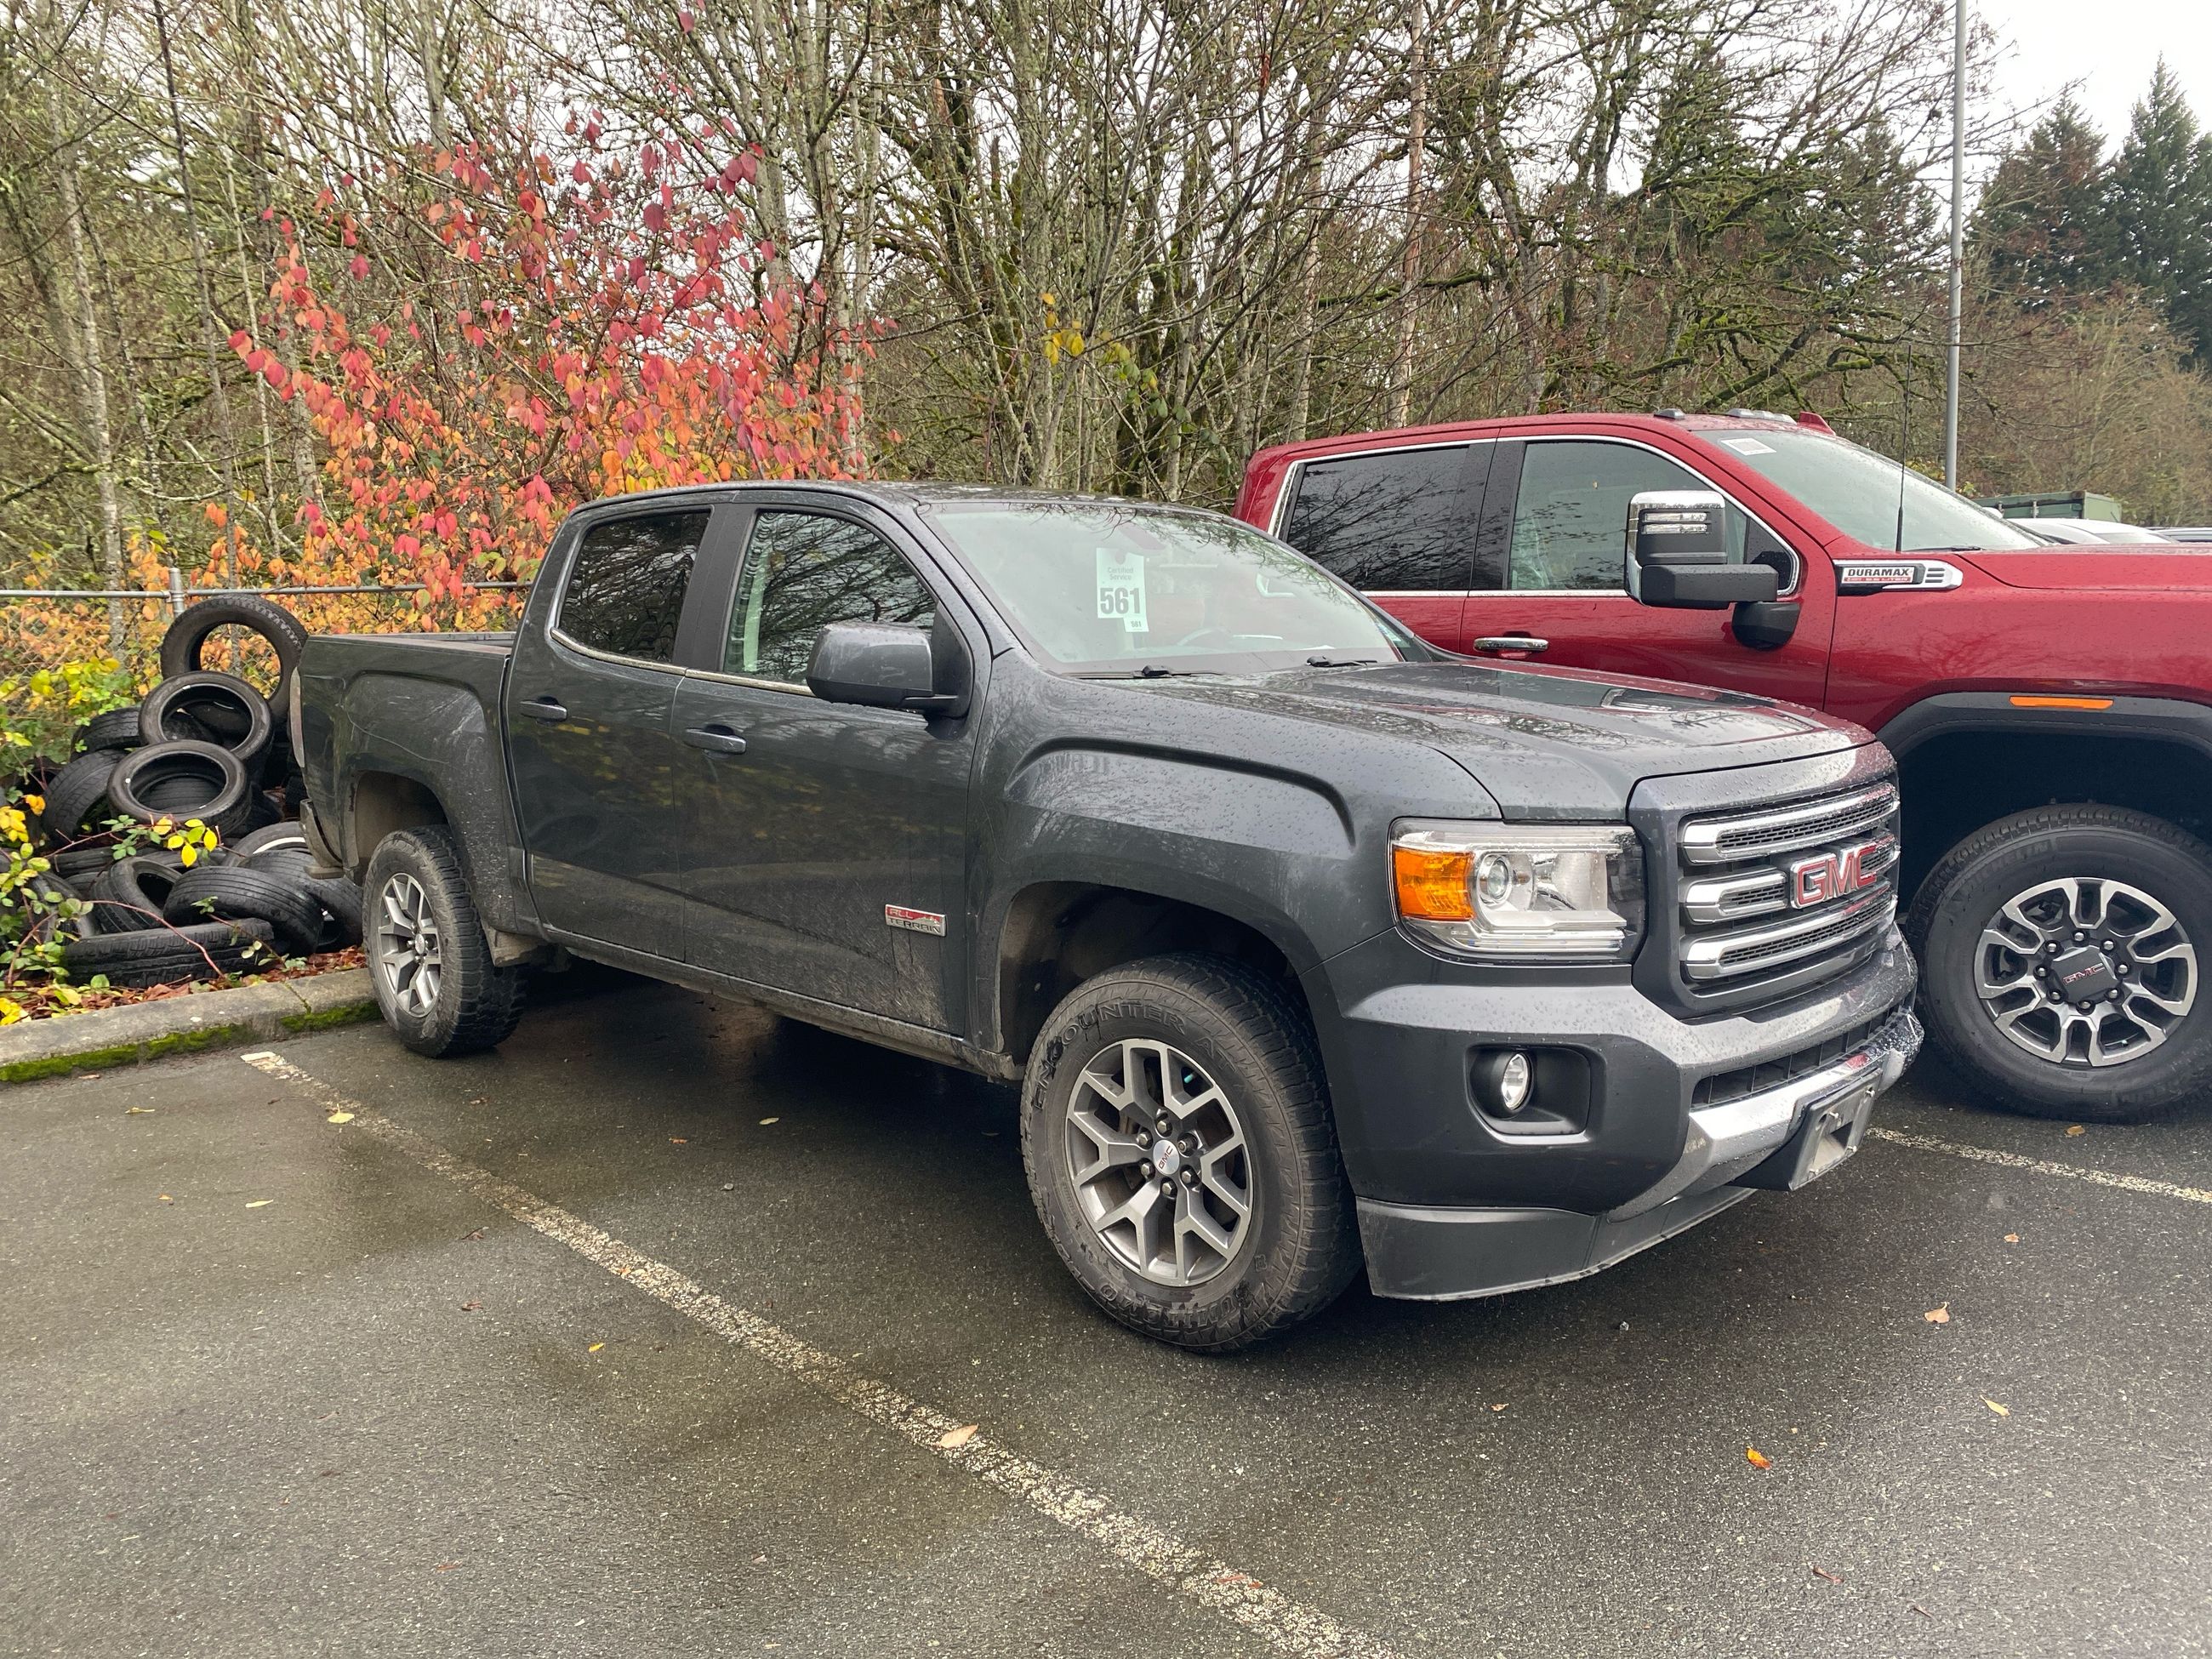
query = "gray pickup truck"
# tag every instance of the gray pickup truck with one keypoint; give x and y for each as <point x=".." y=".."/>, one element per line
<point x="1310" y="944"/>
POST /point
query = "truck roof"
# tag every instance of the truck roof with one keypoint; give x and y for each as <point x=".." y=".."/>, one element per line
<point x="886" y="493"/>
<point x="1674" y="420"/>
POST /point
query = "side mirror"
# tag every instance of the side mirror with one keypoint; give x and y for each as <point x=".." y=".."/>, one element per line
<point x="879" y="665"/>
<point x="1677" y="554"/>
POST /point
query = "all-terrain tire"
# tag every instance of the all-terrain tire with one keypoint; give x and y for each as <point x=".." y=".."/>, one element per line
<point x="1300" y="1243"/>
<point x="477" y="1004"/>
<point x="1965" y="892"/>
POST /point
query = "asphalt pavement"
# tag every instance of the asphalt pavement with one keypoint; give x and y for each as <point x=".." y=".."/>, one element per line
<point x="664" y="1329"/>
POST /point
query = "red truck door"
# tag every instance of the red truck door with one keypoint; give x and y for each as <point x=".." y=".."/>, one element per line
<point x="1550" y="570"/>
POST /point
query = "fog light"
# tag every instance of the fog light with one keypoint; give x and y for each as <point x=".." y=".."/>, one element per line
<point x="1504" y="1081"/>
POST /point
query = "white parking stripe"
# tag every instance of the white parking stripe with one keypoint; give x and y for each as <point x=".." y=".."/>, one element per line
<point x="1287" y="1626"/>
<point x="2126" y="1183"/>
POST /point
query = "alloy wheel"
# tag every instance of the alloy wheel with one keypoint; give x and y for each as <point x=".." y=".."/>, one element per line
<point x="406" y="946"/>
<point x="1159" y="1160"/>
<point x="2085" y="971"/>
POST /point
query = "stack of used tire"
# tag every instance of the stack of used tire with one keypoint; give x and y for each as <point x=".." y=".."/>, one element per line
<point x="202" y="744"/>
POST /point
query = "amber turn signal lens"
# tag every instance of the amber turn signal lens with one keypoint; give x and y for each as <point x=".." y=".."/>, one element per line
<point x="1432" y="885"/>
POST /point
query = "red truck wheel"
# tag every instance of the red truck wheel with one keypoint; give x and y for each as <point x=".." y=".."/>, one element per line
<point x="2062" y="950"/>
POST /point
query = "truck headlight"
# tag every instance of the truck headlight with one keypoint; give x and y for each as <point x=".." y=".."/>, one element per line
<point x="1520" y="891"/>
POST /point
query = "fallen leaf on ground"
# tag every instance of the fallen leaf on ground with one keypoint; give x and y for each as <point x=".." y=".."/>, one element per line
<point x="1822" y="1572"/>
<point x="339" y="1117"/>
<point x="1922" y="1611"/>
<point x="470" y="1306"/>
<point x="767" y="1121"/>
<point x="258" y="1202"/>
<point x="1757" y="1459"/>
<point x="166" y="1199"/>
<point x="953" y="1438"/>
<point x="444" y="1566"/>
<point x="1938" y="1315"/>
<point x="2011" y="1238"/>
<point x="2077" y="1129"/>
<point x="471" y="1236"/>
<point x="678" y="1141"/>
<point x="2002" y="1411"/>
<point x="138" y="1111"/>
<point x="595" y="1347"/>
<point x="1501" y="1405"/>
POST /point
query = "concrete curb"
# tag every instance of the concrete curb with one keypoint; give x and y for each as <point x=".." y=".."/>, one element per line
<point x="34" y="1048"/>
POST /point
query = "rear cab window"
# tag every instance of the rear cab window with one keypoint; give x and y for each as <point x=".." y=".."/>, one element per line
<point x="1398" y="521"/>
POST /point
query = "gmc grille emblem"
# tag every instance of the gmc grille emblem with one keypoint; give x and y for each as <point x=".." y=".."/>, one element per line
<point x="1827" y="876"/>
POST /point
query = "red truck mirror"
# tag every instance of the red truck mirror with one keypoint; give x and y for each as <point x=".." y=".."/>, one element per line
<point x="1677" y="554"/>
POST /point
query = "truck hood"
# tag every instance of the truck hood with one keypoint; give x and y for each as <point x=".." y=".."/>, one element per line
<point x="2091" y="568"/>
<point x="1544" y="742"/>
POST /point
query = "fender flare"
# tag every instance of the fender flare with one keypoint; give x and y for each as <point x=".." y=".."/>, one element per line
<point x="1949" y="713"/>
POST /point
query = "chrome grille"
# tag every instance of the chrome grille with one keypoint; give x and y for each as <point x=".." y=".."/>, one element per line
<point x="1787" y="828"/>
<point x="1787" y="889"/>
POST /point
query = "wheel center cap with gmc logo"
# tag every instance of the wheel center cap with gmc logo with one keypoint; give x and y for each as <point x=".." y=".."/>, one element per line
<point x="2084" y="975"/>
<point x="1167" y="1156"/>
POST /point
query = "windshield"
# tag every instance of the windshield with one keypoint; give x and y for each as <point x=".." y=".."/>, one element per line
<point x="1868" y="497"/>
<point x="1102" y="589"/>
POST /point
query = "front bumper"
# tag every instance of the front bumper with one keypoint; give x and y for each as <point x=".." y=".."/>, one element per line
<point x="1781" y="1138"/>
<point x="1684" y="1116"/>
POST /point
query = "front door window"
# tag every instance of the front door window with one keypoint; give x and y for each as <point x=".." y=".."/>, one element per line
<point x="1570" y="514"/>
<point x="804" y="571"/>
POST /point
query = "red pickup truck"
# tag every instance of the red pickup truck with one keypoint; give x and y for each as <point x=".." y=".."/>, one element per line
<point x="2049" y="707"/>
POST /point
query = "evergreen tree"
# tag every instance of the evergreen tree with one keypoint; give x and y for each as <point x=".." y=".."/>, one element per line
<point x="2162" y="208"/>
<point x="2045" y="223"/>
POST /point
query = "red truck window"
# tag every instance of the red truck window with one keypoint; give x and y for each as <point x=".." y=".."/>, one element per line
<point x="1402" y="522"/>
<point x="1571" y="512"/>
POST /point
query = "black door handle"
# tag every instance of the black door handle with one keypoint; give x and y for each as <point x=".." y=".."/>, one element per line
<point x="715" y="739"/>
<point x="544" y="708"/>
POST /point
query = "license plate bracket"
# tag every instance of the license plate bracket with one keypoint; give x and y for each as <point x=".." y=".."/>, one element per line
<point x="1831" y="1132"/>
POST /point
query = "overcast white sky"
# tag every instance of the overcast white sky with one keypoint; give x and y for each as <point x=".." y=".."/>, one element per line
<point x="2110" y="47"/>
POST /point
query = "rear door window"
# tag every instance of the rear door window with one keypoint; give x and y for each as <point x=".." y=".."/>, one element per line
<point x="625" y="592"/>
<point x="1402" y="522"/>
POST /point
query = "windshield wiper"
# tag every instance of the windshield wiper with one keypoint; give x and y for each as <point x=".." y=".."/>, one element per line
<point x="1340" y="662"/>
<point x="1150" y="670"/>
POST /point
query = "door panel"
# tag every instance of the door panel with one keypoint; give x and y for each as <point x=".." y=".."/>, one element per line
<point x="831" y="813"/>
<point x="1556" y="514"/>
<point x="595" y="769"/>
<point x="1399" y="525"/>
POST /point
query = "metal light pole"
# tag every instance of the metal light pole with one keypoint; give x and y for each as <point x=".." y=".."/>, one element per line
<point x="1958" y="240"/>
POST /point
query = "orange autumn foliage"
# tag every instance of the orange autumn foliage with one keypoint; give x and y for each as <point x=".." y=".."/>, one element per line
<point x="561" y="332"/>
